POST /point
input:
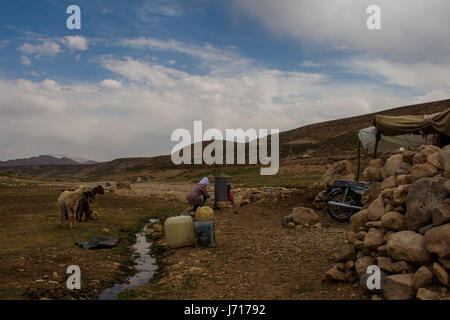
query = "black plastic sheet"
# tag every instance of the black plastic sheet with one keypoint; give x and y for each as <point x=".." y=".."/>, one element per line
<point x="98" y="243"/>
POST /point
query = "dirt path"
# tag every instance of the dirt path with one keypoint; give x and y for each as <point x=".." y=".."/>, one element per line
<point x="256" y="258"/>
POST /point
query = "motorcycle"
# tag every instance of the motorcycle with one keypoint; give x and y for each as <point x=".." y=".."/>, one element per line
<point x="345" y="199"/>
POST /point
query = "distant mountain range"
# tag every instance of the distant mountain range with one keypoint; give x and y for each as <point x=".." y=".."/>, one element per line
<point x="47" y="160"/>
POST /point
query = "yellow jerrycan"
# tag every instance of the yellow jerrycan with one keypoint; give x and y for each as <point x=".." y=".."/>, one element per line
<point x="204" y="214"/>
<point x="179" y="231"/>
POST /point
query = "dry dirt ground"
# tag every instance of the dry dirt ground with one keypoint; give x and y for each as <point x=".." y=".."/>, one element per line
<point x="255" y="258"/>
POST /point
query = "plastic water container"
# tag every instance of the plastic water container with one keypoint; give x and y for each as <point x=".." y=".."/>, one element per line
<point x="204" y="213"/>
<point x="179" y="231"/>
<point x="205" y="234"/>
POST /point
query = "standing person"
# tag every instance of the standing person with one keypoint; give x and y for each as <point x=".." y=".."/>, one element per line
<point x="230" y="194"/>
<point x="199" y="195"/>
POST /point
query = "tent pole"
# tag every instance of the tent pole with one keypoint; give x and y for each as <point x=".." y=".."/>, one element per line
<point x="359" y="161"/>
<point x="376" y="145"/>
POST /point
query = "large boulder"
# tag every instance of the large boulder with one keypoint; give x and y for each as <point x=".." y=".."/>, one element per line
<point x="408" y="246"/>
<point x="389" y="182"/>
<point x="441" y="214"/>
<point x="374" y="238"/>
<point x="372" y="174"/>
<point x="398" y="287"/>
<point x="423" y="197"/>
<point x="370" y="194"/>
<point x="394" y="221"/>
<point x="359" y="220"/>
<point x="376" y="209"/>
<point x="408" y="156"/>
<point x="437" y="240"/>
<point x="420" y="171"/>
<point x="433" y="159"/>
<point x="340" y="170"/>
<point x="376" y="163"/>
<point x="400" y="194"/>
<point x="302" y="215"/>
<point x="423" y="153"/>
<point x="392" y="164"/>
<point x="444" y="157"/>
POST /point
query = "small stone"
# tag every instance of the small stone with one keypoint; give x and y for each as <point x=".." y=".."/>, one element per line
<point x="441" y="214"/>
<point x="157" y="227"/>
<point x="422" y="278"/>
<point x="291" y="225"/>
<point x="425" y="294"/>
<point x="352" y="237"/>
<point x="350" y="264"/>
<point x="403" y="267"/>
<point x="440" y="274"/>
<point x="385" y="263"/>
<point x="105" y="230"/>
<point x="335" y="274"/>
<point x="374" y="238"/>
<point x="437" y="240"/>
<point x="362" y="264"/>
<point x="346" y="251"/>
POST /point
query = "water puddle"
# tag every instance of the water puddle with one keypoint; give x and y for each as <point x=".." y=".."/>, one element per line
<point x="145" y="267"/>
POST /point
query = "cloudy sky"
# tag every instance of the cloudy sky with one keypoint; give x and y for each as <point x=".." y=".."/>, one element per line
<point x="137" y="70"/>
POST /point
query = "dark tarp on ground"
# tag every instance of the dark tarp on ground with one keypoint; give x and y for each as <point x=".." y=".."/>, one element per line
<point x="98" y="243"/>
<point x="398" y="125"/>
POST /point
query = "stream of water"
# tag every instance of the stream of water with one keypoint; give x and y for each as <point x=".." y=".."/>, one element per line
<point x="145" y="267"/>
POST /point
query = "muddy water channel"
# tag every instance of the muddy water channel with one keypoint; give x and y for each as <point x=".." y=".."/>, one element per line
<point x="145" y="267"/>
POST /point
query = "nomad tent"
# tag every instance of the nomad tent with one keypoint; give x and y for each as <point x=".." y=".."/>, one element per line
<point x="389" y="133"/>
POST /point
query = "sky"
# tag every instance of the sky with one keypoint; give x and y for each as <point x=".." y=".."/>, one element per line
<point x="137" y="70"/>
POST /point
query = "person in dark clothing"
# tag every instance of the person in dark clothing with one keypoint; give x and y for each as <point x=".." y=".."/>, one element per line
<point x="199" y="195"/>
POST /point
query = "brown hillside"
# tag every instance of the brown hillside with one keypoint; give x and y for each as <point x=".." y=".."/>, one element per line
<point x="325" y="139"/>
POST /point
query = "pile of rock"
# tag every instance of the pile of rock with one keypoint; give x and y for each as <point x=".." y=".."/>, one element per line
<point x="262" y="195"/>
<point x="301" y="217"/>
<point x="404" y="227"/>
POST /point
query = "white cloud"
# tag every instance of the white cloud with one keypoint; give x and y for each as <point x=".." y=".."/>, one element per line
<point x="110" y="84"/>
<point x="25" y="61"/>
<point x="76" y="43"/>
<point x="136" y="115"/>
<point x="424" y="75"/>
<point x="46" y="48"/>
<point x="212" y="57"/>
<point x="411" y="29"/>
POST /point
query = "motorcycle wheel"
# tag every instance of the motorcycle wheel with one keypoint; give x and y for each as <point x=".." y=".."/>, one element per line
<point x="341" y="214"/>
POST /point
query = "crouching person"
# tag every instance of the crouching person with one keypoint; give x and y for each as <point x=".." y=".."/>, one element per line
<point x="199" y="195"/>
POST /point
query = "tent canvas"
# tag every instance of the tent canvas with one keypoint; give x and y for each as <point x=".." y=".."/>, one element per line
<point x="438" y="123"/>
<point x="410" y="132"/>
<point x="367" y="136"/>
